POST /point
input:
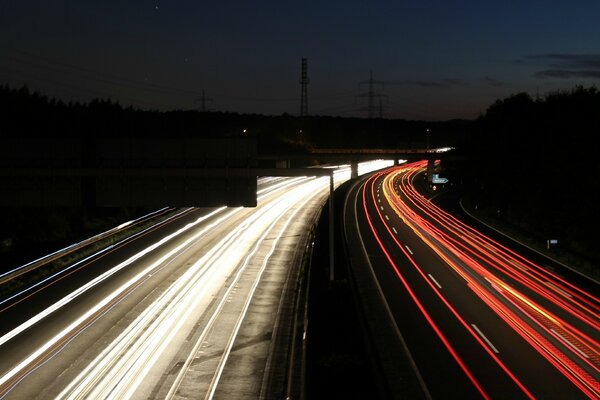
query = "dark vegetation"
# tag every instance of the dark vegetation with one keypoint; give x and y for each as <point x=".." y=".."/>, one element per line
<point x="23" y="112"/>
<point x="27" y="233"/>
<point x="529" y="164"/>
<point x="531" y="167"/>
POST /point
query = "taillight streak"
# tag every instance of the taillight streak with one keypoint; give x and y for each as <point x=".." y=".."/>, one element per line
<point x="563" y="295"/>
<point x="452" y="310"/>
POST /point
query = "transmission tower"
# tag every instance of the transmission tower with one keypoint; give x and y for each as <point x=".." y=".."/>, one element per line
<point x="203" y="101"/>
<point x="304" y="84"/>
<point x="373" y="97"/>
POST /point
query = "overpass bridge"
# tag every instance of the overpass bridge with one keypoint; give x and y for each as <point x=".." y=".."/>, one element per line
<point x="153" y="172"/>
<point x="353" y="156"/>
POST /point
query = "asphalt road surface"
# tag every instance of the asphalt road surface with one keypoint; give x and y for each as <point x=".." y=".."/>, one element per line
<point x="473" y="318"/>
<point x="188" y="309"/>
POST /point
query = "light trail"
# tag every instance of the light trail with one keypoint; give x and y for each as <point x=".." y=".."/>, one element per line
<point x="32" y="265"/>
<point x="125" y="363"/>
<point x="118" y="371"/>
<point x="559" y="320"/>
<point x="35" y="287"/>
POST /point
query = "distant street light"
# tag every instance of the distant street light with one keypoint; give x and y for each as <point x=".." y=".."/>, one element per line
<point x="427" y="137"/>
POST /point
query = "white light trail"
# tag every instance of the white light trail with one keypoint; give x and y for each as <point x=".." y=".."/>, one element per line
<point x="122" y="366"/>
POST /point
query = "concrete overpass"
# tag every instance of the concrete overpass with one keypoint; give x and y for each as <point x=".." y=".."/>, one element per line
<point x="157" y="171"/>
<point x="354" y="156"/>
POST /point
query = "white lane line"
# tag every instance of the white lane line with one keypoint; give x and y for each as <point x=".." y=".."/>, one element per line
<point x="395" y="231"/>
<point x="386" y="217"/>
<point x="485" y="338"/>
<point x="434" y="281"/>
<point x="553" y="286"/>
<point x="381" y="208"/>
<point x="409" y="250"/>
<point x="569" y="343"/>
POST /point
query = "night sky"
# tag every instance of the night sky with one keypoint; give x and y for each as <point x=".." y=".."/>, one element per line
<point x="433" y="60"/>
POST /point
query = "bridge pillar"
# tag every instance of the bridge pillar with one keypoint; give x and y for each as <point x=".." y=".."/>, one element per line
<point x="282" y="164"/>
<point x="331" y="228"/>
<point x="353" y="169"/>
<point x="430" y="165"/>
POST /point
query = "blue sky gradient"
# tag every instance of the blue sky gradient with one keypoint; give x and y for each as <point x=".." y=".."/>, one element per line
<point x="434" y="60"/>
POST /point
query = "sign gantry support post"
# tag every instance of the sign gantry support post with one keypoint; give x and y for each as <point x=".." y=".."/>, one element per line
<point x="331" y="228"/>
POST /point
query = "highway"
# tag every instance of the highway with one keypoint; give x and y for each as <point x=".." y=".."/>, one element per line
<point x="186" y="309"/>
<point x="473" y="318"/>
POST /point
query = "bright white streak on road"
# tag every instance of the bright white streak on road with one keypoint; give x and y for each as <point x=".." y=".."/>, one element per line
<point x="192" y="355"/>
<point x="82" y="319"/>
<point x="85" y="319"/>
<point x="94" y="282"/>
<point x="12" y="271"/>
<point x="67" y="299"/>
<point x="121" y="367"/>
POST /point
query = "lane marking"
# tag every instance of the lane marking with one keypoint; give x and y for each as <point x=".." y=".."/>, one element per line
<point x="395" y="231"/>
<point x="409" y="250"/>
<point x="386" y="217"/>
<point x="381" y="208"/>
<point x="434" y="281"/>
<point x="485" y="338"/>
<point x="569" y="343"/>
<point x="553" y="286"/>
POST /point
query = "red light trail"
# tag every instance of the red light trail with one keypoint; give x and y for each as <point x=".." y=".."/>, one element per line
<point x="556" y="318"/>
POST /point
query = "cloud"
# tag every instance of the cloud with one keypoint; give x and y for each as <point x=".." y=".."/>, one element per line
<point x="443" y="83"/>
<point x="572" y="61"/>
<point x="493" y="81"/>
<point x="566" y="66"/>
<point x="566" y="74"/>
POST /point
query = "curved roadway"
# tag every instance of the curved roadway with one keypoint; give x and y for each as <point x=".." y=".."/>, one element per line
<point x="188" y="309"/>
<point x="473" y="318"/>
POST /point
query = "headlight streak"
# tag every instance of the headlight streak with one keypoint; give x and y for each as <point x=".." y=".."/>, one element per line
<point x="568" y="299"/>
<point x="82" y="263"/>
<point x="59" y="341"/>
<point x="131" y="369"/>
<point x="264" y="193"/>
<point x="67" y="249"/>
<point x="50" y="346"/>
<point x="56" y="277"/>
<point x="25" y="367"/>
<point x="233" y="335"/>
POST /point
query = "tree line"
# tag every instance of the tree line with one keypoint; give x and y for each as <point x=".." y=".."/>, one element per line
<point x="26" y="112"/>
<point x="533" y="162"/>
